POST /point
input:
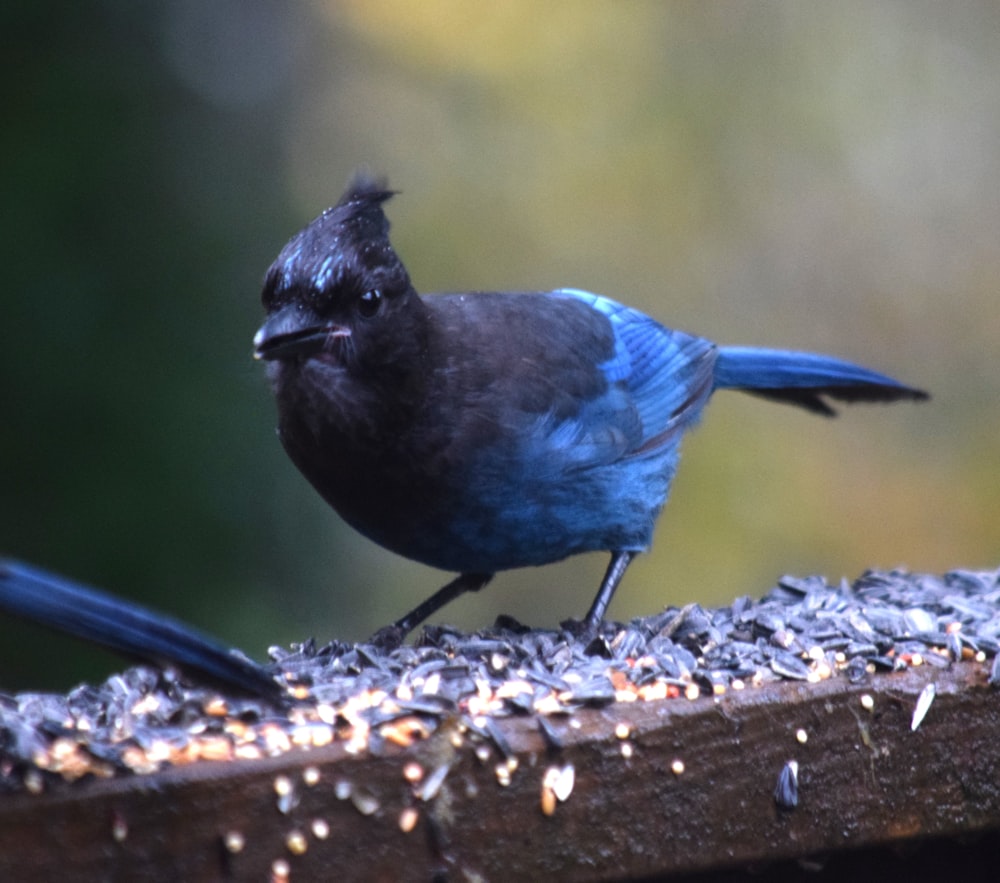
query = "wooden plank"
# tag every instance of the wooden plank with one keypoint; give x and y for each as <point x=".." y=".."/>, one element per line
<point x="864" y="778"/>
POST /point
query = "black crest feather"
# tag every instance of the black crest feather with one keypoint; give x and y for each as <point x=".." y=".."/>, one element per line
<point x="360" y="206"/>
<point x="365" y="187"/>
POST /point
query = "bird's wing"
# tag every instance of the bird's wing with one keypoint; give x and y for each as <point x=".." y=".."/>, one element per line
<point x="666" y="374"/>
<point x="562" y="380"/>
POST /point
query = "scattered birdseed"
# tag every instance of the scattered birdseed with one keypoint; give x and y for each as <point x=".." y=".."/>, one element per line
<point x="234" y="841"/>
<point x="296" y="842"/>
<point x="280" y="870"/>
<point x="311" y="776"/>
<point x="627" y="750"/>
<point x="923" y="705"/>
<point x="801" y="736"/>
<point x="786" y="793"/>
<point x="119" y="828"/>
<point x="548" y="801"/>
<point x="365" y="802"/>
<point x="563" y="782"/>
<point x="677" y="767"/>
<point x="557" y="785"/>
<point x="623" y="731"/>
<point x="408" y="819"/>
<point x="320" y="828"/>
<point x="216" y="707"/>
<point x="867" y="702"/>
<point x="33" y="782"/>
<point x="552" y="738"/>
<point x="144" y="720"/>
<point x="432" y="784"/>
<point x="287" y="798"/>
<point x="502" y="772"/>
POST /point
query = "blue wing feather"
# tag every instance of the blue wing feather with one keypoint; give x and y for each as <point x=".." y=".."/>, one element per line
<point x="667" y="373"/>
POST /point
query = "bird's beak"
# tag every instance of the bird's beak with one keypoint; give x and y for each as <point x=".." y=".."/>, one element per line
<point x="292" y="333"/>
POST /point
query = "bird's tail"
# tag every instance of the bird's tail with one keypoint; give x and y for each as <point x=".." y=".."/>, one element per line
<point x="126" y="627"/>
<point x="804" y="379"/>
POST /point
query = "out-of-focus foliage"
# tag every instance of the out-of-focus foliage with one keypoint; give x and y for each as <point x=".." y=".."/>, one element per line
<point x="820" y="176"/>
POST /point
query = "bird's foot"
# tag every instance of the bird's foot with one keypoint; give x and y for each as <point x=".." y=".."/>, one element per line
<point x="579" y="629"/>
<point x="507" y="623"/>
<point x="388" y="638"/>
<point x="588" y="634"/>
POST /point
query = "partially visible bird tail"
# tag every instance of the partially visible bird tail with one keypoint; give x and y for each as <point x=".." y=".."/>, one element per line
<point x="804" y="379"/>
<point x="126" y="627"/>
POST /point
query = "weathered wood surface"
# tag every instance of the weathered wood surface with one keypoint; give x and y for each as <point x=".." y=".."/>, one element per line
<point x="865" y="778"/>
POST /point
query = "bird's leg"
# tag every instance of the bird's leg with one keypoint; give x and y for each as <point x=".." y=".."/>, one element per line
<point x="616" y="570"/>
<point x="393" y="635"/>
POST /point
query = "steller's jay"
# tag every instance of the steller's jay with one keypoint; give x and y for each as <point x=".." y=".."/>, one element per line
<point x="478" y="432"/>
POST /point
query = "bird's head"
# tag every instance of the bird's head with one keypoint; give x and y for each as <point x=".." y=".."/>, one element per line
<point x="337" y="290"/>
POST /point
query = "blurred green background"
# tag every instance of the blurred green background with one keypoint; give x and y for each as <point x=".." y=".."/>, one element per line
<point x="809" y="175"/>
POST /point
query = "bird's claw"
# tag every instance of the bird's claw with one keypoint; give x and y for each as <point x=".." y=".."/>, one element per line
<point x="388" y="638"/>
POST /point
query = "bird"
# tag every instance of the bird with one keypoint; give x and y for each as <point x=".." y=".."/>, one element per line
<point x="479" y="432"/>
<point x="128" y="628"/>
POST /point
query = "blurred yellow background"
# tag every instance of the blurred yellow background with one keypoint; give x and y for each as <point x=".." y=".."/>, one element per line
<point x="800" y="175"/>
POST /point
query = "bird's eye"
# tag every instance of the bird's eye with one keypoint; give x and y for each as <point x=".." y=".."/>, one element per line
<point x="370" y="303"/>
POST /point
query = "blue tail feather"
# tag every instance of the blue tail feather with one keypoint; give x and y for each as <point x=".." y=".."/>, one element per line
<point x="803" y="379"/>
